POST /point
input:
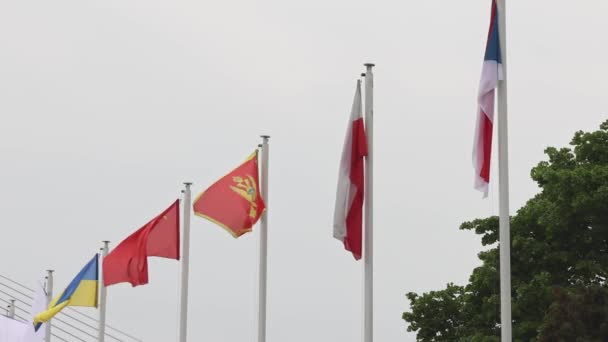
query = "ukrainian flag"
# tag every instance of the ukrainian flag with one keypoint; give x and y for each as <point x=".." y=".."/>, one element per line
<point x="82" y="291"/>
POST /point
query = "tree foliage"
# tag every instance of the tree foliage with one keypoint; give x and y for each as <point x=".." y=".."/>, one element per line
<point x="559" y="260"/>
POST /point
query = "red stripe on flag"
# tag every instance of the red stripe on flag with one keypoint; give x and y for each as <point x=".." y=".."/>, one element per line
<point x="354" y="218"/>
<point x="486" y="126"/>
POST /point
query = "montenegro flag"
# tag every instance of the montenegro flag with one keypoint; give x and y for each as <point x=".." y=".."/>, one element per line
<point x="234" y="201"/>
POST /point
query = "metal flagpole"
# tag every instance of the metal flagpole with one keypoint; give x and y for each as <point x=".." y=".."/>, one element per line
<point x="102" y="295"/>
<point x="263" y="244"/>
<point x="11" y="309"/>
<point x="49" y="297"/>
<point x="368" y="240"/>
<point x="503" y="184"/>
<point x="183" y="314"/>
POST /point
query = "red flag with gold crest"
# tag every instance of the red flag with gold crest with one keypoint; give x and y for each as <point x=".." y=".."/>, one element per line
<point x="234" y="201"/>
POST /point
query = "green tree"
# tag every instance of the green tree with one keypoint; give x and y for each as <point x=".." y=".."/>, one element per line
<point x="559" y="260"/>
<point x="578" y="313"/>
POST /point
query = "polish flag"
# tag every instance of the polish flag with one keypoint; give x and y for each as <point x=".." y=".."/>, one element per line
<point x="348" y="215"/>
<point x="490" y="75"/>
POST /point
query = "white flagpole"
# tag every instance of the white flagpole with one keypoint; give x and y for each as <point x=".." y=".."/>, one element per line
<point x="183" y="314"/>
<point x="102" y="295"/>
<point x="368" y="240"/>
<point x="11" y="309"/>
<point x="263" y="244"/>
<point x="49" y="297"/>
<point x="503" y="184"/>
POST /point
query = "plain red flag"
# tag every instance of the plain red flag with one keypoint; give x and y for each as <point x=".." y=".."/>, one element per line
<point x="234" y="201"/>
<point x="128" y="262"/>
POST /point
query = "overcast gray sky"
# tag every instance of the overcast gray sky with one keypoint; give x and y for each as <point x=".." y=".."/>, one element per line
<point x="108" y="106"/>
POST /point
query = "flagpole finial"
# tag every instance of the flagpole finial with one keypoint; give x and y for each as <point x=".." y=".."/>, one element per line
<point x="369" y="64"/>
<point x="187" y="183"/>
<point x="49" y="272"/>
<point x="265" y="136"/>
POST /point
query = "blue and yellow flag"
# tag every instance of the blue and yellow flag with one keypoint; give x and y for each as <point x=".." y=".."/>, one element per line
<point x="82" y="291"/>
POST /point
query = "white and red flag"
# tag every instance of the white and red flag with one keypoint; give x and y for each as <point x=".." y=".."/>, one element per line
<point x="348" y="215"/>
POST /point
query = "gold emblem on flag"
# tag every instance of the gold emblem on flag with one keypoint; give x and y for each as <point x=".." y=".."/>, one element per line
<point x="246" y="188"/>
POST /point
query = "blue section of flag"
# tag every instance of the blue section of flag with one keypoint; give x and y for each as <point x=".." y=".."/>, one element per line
<point x="493" y="52"/>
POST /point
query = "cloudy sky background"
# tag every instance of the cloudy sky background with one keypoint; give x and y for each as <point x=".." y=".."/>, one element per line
<point x="107" y="106"/>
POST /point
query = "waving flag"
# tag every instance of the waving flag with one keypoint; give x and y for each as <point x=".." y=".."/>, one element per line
<point x="234" y="202"/>
<point x="348" y="214"/>
<point x="38" y="305"/>
<point x="128" y="262"/>
<point x="82" y="291"/>
<point x="490" y="75"/>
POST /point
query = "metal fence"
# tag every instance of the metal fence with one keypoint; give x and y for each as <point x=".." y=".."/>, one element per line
<point x="69" y="325"/>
